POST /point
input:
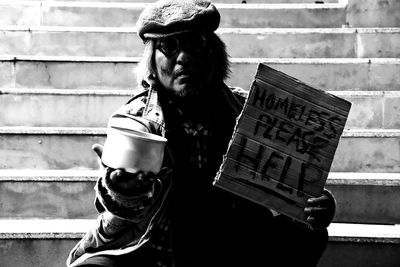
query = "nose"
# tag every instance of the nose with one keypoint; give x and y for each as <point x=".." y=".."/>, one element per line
<point x="184" y="57"/>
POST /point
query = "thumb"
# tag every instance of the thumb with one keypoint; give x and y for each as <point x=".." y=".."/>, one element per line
<point x="98" y="149"/>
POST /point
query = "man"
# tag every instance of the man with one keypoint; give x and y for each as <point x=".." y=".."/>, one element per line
<point x="177" y="217"/>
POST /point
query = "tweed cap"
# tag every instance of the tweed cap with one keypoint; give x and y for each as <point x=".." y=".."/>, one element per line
<point x="169" y="17"/>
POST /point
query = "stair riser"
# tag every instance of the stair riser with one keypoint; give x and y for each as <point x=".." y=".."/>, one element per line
<point x="127" y="16"/>
<point x="21" y="253"/>
<point x="313" y="45"/>
<point x="367" y="203"/>
<point x="374" y="112"/>
<point x="48" y="151"/>
<point x="273" y="45"/>
<point x="45" y="110"/>
<point x="219" y="1"/>
<point x="360" y="254"/>
<point x="35" y="252"/>
<point x="359" y="154"/>
<point x="69" y="200"/>
<point x="119" y="75"/>
<point x="372" y="13"/>
<point x="20" y="15"/>
<point x="367" y="155"/>
<point x="341" y="76"/>
<point x="93" y="110"/>
<point x="74" y="200"/>
<point x="73" y="75"/>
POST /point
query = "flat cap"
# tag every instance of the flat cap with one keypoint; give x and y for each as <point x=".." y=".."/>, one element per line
<point x="168" y="17"/>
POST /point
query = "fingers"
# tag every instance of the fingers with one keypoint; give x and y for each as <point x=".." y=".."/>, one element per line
<point x="122" y="179"/>
<point x="116" y="175"/>
<point x="131" y="181"/>
<point x="317" y="223"/>
<point x="318" y="201"/>
<point x="320" y="211"/>
<point x="315" y="210"/>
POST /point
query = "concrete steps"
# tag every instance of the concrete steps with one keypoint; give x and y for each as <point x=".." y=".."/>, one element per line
<point x="69" y="194"/>
<point x="48" y="242"/>
<point x="39" y="242"/>
<point x="365" y="150"/>
<point x="370" y="198"/>
<point x="335" y="74"/>
<point x="218" y="1"/>
<point x="270" y="13"/>
<point x="42" y="107"/>
<point x="241" y="42"/>
<point x="112" y="14"/>
<point x="362" y="245"/>
<point x="68" y="64"/>
<point x="372" y="13"/>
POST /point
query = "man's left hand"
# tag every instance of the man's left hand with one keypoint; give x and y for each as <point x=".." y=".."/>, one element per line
<point x="321" y="210"/>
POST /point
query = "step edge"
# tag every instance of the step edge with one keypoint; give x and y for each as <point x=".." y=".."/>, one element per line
<point x="220" y="6"/>
<point x="334" y="178"/>
<point x="71" y="92"/>
<point x="15" y="175"/>
<point x="131" y="92"/>
<point x="92" y="59"/>
<point x="347" y="133"/>
<point x="28" y="130"/>
<point x="364" y="233"/>
<point x="222" y="30"/>
<point x="385" y="233"/>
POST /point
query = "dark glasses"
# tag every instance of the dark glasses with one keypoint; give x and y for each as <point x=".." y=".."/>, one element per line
<point x="189" y="42"/>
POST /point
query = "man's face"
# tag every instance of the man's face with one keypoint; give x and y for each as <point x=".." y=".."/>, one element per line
<point x="184" y="63"/>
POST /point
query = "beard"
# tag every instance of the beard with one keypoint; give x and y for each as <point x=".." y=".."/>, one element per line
<point x="188" y="92"/>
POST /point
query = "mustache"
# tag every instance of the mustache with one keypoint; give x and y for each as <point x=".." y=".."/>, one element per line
<point x="184" y="71"/>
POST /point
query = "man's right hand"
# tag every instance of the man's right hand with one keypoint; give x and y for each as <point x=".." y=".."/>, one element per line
<point x="124" y="180"/>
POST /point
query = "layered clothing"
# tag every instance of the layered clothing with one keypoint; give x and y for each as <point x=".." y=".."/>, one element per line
<point x="187" y="221"/>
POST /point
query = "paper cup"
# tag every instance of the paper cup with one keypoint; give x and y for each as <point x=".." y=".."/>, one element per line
<point x="133" y="151"/>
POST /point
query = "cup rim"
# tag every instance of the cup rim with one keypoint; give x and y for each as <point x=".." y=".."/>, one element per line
<point x="145" y="136"/>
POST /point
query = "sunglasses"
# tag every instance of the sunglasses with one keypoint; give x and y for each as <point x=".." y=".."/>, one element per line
<point x="189" y="42"/>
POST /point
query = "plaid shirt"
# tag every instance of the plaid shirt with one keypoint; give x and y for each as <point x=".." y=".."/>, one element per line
<point x="198" y="135"/>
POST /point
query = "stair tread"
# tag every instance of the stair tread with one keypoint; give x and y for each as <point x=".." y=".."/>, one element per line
<point x="101" y="72"/>
<point x="104" y="29"/>
<point x="241" y="42"/>
<point x="102" y="131"/>
<point x="121" y="92"/>
<point x="393" y="60"/>
<point x="336" y="178"/>
<point x="364" y="232"/>
<point x="105" y="4"/>
<point x="61" y="228"/>
<point x="8" y="226"/>
<point x="39" y="107"/>
<point x="69" y="194"/>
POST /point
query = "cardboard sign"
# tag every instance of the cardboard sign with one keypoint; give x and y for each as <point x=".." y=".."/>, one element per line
<point x="283" y="144"/>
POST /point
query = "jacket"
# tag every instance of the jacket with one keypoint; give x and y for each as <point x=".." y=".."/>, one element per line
<point x="209" y="226"/>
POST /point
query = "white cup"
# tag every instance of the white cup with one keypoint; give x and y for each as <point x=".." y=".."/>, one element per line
<point x="133" y="150"/>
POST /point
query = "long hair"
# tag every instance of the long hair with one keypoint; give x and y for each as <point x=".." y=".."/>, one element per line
<point x="146" y="74"/>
